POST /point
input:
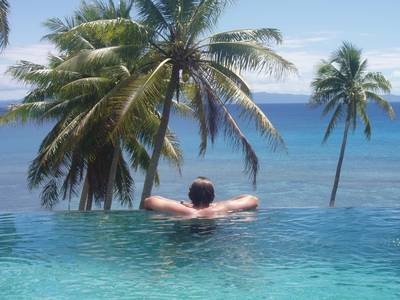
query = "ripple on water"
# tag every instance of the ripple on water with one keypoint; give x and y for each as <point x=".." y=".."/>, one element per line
<point x="310" y="253"/>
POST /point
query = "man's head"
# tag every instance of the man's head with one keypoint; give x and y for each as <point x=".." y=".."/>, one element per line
<point x="201" y="192"/>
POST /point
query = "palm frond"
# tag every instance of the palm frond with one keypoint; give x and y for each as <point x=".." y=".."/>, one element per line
<point x="332" y="103"/>
<point x="376" y="82"/>
<point x="232" y="130"/>
<point x="41" y="76"/>
<point x="4" y="27"/>
<point x="361" y="109"/>
<point x="124" y="184"/>
<point x="234" y="134"/>
<point x="141" y="90"/>
<point x="49" y="196"/>
<point x="87" y="60"/>
<point x="151" y="14"/>
<point x="336" y="116"/>
<point x="89" y="85"/>
<point x="233" y="94"/>
<point x="193" y="94"/>
<point x="204" y="17"/>
<point x="108" y="30"/>
<point x="172" y="151"/>
<point x="181" y="109"/>
<point x="25" y="112"/>
<point x="262" y="35"/>
<point x="249" y="56"/>
<point x="21" y="69"/>
<point x="64" y="139"/>
<point x="382" y="103"/>
<point x="232" y="75"/>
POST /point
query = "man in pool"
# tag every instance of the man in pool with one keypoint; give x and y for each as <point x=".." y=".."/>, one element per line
<point x="201" y="193"/>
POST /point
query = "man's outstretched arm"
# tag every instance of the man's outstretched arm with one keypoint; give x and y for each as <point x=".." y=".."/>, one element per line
<point x="241" y="202"/>
<point x="161" y="204"/>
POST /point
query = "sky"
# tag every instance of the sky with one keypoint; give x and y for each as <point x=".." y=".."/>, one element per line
<point x="311" y="29"/>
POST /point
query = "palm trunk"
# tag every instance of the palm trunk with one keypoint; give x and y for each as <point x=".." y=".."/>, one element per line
<point x="111" y="178"/>
<point x="89" y="201"/>
<point x="339" y="165"/>
<point x="84" y="194"/>
<point x="159" y="141"/>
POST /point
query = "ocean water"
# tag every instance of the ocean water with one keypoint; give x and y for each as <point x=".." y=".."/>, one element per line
<point x="300" y="177"/>
<point x="293" y="247"/>
<point x="298" y="253"/>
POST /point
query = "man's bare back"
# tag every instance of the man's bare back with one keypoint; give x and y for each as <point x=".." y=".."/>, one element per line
<point x="238" y="203"/>
<point x="201" y="194"/>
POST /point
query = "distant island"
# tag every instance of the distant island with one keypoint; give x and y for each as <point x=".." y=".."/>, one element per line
<point x="263" y="97"/>
<point x="259" y="97"/>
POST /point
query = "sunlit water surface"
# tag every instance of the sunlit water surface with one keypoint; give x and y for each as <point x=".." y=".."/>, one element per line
<point x="267" y="254"/>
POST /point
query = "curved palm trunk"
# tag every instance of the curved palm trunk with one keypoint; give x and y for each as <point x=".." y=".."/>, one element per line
<point x="84" y="194"/>
<point x="339" y="165"/>
<point x="159" y="141"/>
<point x="111" y="178"/>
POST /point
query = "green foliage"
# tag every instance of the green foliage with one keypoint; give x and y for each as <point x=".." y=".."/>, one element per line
<point x="343" y="85"/>
<point x="168" y="34"/>
<point x="68" y="90"/>
<point x="110" y="77"/>
<point x="4" y="27"/>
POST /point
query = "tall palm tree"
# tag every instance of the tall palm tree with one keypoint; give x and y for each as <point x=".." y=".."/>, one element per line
<point x="177" y="59"/>
<point x="64" y="155"/>
<point x="343" y="85"/>
<point x="4" y="28"/>
<point x="95" y="10"/>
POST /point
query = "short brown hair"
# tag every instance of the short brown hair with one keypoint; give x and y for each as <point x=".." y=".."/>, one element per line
<point x="201" y="191"/>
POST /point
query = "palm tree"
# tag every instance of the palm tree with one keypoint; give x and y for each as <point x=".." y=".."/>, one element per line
<point x="66" y="154"/>
<point x="72" y="45"/>
<point x="176" y="59"/>
<point x="343" y="85"/>
<point x="4" y="28"/>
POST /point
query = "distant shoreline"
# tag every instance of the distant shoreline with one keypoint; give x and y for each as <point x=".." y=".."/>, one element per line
<point x="259" y="98"/>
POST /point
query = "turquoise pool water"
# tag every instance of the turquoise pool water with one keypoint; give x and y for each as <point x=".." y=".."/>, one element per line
<point x="343" y="253"/>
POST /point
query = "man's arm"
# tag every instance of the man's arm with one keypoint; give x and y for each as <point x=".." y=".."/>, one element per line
<point x="242" y="202"/>
<point x="161" y="204"/>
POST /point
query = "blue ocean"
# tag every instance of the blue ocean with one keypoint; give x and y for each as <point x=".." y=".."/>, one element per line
<point x="293" y="247"/>
<point x="302" y="176"/>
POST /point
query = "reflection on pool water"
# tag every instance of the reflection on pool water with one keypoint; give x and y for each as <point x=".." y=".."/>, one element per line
<point x="274" y="254"/>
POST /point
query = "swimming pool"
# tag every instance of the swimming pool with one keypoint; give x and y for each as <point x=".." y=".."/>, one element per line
<point x="306" y="253"/>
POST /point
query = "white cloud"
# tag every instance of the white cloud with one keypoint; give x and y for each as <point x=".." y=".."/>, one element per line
<point x="311" y="39"/>
<point x="305" y="62"/>
<point x="302" y="42"/>
<point x="386" y="60"/>
<point x="383" y="60"/>
<point x="395" y="74"/>
<point x="37" y="53"/>
<point x="301" y="51"/>
<point x="305" y="53"/>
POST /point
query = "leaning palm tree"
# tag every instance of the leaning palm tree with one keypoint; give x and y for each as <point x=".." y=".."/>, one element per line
<point x="178" y="60"/>
<point x="4" y="28"/>
<point x="343" y="85"/>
